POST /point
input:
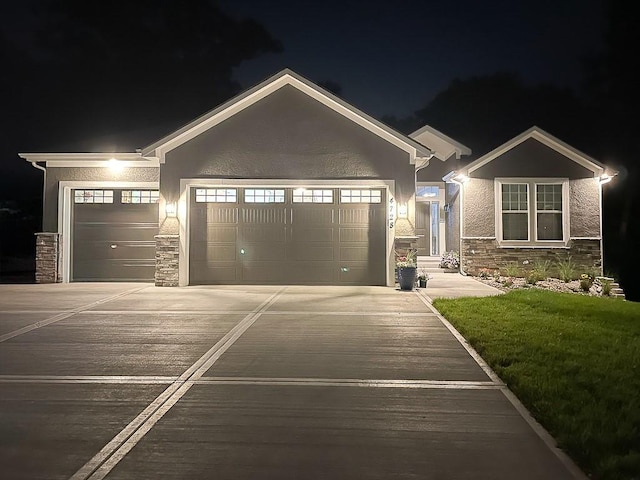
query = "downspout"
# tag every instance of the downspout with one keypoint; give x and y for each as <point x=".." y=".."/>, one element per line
<point x="44" y="189"/>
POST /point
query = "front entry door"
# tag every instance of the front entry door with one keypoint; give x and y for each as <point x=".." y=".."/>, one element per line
<point x="422" y="227"/>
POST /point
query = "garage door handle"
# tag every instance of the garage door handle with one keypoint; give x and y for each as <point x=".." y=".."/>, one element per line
<point x="113" y="245"/>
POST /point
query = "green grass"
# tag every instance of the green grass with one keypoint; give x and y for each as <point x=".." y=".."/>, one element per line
<point x="573" y="361"/>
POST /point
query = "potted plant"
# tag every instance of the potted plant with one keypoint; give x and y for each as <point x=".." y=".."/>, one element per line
<point x="450" y="261"/>
<point x="406" y="268"/>
<point x="423" y="278"/>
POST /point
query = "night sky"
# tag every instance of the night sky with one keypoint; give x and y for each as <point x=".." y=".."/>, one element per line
<point x="393" y="57"/>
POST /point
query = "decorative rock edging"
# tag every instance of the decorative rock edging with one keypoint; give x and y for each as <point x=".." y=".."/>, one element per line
<point x="506" y="284"/>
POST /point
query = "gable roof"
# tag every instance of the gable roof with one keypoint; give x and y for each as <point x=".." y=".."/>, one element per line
<point x="546" y="139"/>
<point x="260" y="91"/>
<point x="442" y="145"/>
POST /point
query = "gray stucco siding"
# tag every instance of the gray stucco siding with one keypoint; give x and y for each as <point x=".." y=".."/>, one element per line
<point x="285" y="135"/>
<point x="288" y="135"/>
<point x="532" y="159"/>
<point x="87" y="174"/>
<point x="479" y="208"/>
<point x="584" y="208"/>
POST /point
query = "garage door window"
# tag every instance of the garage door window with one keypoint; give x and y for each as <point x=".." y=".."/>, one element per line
<point x="140" y="196"/>
<point x="262" y="195"/>
<point x="93" y="196"/>
<point x="216" y="195"/>
<point x="302" y="195"/>
<point x="360" y="196"/>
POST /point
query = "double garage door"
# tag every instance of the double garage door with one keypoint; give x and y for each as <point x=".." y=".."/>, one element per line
<point x="287" y="236"/>
<point x="113" y="235"/>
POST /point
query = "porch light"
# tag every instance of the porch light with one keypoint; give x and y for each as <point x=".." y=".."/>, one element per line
<point x="605" y="178"/>
<point x="171" y="210"/>
<point x="114" y="165"/>
<point x="402" y="210"/>
<point x="460" y="178"/>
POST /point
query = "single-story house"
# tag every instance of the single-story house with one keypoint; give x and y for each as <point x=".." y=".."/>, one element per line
<point x="289" y="184"/>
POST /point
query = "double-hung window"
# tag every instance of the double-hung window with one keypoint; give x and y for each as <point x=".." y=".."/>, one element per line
<point x="531" y="211"/>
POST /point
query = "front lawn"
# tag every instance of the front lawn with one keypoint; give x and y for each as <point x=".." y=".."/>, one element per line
<point x="573" y="361"/>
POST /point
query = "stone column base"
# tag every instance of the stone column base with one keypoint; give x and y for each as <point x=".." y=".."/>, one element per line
<point x="48" y="257"/>
<point x="167" y="260"/>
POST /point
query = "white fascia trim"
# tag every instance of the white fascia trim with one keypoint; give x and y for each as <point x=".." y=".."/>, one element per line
<point x="187" y="184"/>
<point x="64" y="212"/>
<point x="459" y="148"/>
<point x="90" y="159"/>
<point x="546" y="139"/>
<point x="269" y="88"/>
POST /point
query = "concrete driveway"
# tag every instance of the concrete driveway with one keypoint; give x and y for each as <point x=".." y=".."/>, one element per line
<point x="130" y="381"/>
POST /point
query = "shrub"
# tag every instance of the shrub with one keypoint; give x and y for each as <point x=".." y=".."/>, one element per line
<point x="450" y="260"/>
<point x="540" y="271"/>
<point x="606" y="286"/>
<point x="586" y="281"/>
<point x="566" y="269"/>
<point x="512" y="269"/>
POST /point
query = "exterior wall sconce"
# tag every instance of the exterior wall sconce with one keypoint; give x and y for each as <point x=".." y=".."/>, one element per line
<point x="461" y="178"/>
<point x="171" y="209"/>
<point x="605" y="178"/>
<point x="114" y="165"/>
<point x="402" y="210"/>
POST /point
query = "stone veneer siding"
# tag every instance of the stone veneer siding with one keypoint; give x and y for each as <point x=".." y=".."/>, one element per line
<point x="48" y="257"/>
<point x="484" y="253"/>
<point x="167" y="260"/>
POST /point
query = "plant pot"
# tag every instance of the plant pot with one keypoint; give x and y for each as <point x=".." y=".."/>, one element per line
<point x="422" y="282"/>
<point x="406" y="277"/>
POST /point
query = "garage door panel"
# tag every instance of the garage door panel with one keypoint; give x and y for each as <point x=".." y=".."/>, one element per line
<point x="210" y="252"/>
<point x="224" y="215"/>
<point x="221" y="273"/>
<point x="216" y="233"/>
<point x="311" y="235"/>
<point x="354" y="254"/>
<point x="113" y="241"/>
<point x="264" y="215"/>
<point x="263" y="272"/>
<point x="135" y="250"/>
<point x="267" y="233"/>
<point x="103" y="231"/>
<point x="312" y="215"/>
<point x="113" y="270"/>
<point x="314" y="252"/>
<point x="356" y="275"/>
<point x="265" y="251"/>
<point x="354" y="235"/>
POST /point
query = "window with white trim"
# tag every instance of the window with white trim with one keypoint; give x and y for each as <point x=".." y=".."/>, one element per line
<point x="216" y="195"/>
<point x="549" y="211"/>
<point x="263" y="195"/>
<point x="140" y="196"/>
<point x="360" y="196"/>
<point x="302" y="195"/>
<point x="531" y="210"/>
<point x="515" y="211"/>
<point x="93" y="196"/>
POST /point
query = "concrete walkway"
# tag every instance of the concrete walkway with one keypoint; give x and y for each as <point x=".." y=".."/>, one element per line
<point x="126" y="381"/>
<point x="456" y="285"/>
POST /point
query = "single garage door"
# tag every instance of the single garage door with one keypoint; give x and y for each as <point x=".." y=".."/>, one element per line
<point x="113" y="235"/>
<point x="288" y="236"/>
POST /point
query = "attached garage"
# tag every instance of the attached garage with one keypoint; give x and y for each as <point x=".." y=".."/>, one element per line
<point x="248" y="235"/>
<point x="113" y="235"/>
